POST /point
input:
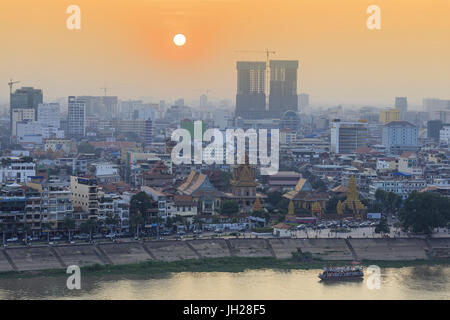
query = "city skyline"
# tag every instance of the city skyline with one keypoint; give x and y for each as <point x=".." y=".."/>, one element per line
<point x="128" y="48"/>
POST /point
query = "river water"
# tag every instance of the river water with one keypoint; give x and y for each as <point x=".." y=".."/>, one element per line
<point x="420" y="282"/>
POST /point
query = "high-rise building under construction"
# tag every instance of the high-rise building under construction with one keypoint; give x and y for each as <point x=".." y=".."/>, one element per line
<point x="251" y="89"/>
<point x="251" y="96"/>
<point x="283" y="87"/>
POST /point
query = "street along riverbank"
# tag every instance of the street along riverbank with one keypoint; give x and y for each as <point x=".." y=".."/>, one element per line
<point x="217" y="254"/>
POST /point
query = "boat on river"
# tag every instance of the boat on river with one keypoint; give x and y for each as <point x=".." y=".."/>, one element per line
<point x="342" y="273"/>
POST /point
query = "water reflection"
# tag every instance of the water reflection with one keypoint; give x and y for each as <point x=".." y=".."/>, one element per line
<point x="421" y="282"/>
<point x="426" y="278"/>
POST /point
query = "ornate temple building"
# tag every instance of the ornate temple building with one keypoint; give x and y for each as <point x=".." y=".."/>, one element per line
<point x="204" y="194"/>
<point x="352" y="206"/>
<point x="243" y="189"/>
<point x="305" y="201"/>
<point x="158" y="176"/>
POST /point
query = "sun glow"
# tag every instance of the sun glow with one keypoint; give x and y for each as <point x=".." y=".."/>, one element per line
<point x="179" y="39"/>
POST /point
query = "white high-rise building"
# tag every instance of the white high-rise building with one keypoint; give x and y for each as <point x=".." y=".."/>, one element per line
<point x="76" y="118"/>
<point x="400" y="136"/>
<point x="49" y="115"/>
<point x="20" y="114"/>
<point x="303" y="102"/>
<point x="346" y="137"/>
<point x="47" y="125"/>
<point x="444" y="134"/>
<point x="435" y="106"/>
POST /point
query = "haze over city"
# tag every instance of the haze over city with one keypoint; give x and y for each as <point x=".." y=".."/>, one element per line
<point x="225" y="149"/>
<point x="127" y="46"/>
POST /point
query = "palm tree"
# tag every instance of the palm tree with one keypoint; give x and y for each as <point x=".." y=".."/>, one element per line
<point x="26" y="230"/>
<point x="99" y="225"/>
<point x="112" y="221"/>
<point x="139" y="205"/>
<point x="88" y="227"/>
<point x="136" y="221"/>
<point x="46" y="226"/>
<point x="197" y="222"/>
<point x="4" y="229"/>
<point x="69" y="224"/>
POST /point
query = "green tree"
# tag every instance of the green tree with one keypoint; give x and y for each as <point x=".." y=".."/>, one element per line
<point x="262" y="214"/>
<point x="372" y="206"/>
<point x="53" y="171"/>
<point x="283" y="205"/>
<point x="390" y="202"/>
<point x="382" y="226"/>
<point x="424" y="211"/>
<point x="229" y="207"/>
<point x="273" y="198"/>
<point x="26" y="231"/>
<point x="226" y="177"/>
<point x="4" y="229"/>
<point x="46" y="226"/>
<point x="331" y="204"/>
<point x="139" y="205"/>
<point x="69" y="224"/>
<point x="86" y="148"/>
<point x="112" y="221"/>
<point x="89" y="226"/>
<point x="197" y="222"/>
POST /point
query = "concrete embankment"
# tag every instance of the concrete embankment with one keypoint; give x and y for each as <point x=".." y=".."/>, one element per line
<point x="61" y="256"/>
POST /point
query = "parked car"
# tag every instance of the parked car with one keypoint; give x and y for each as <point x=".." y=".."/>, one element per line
<point x="28" y="239"/>
<point x="13" y="239"/>
<point x="110" y="236"/>
<point x="81" y="236"/>
<point x="126" y="234"/>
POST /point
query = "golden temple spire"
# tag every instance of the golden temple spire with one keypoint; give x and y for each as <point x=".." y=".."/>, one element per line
<point x="257" y="205"/>
<point x="291" y="208"/>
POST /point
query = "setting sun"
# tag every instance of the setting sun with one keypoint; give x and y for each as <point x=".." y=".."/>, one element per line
<point x="179" y="39"/>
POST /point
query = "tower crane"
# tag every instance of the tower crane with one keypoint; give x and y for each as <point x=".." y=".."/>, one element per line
<point x="105" y="90"/>
<point x="11" y="83"/>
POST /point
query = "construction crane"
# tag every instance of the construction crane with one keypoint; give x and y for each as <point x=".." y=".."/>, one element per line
<point x="11" y="83"/>
<point x="105" y="90"/>
<point x="268" y="53"/>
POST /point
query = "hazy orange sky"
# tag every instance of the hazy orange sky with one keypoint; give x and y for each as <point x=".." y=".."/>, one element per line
<point x="127" y="45"/>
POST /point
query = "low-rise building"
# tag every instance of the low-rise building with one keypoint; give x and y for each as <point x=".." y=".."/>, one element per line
<point x="106" y="173"/>
<point x="408" y="163"/>
<point x="56" y="200"/>
<point x="20" y="208"/>
<point x="14" y="169"/>
<point x="403" y="186"/>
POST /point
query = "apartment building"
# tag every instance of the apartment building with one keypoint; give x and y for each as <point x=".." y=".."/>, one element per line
<point x="85" y="195"/>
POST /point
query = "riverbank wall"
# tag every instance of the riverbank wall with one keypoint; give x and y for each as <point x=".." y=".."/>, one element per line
<point x="61" y="256"/>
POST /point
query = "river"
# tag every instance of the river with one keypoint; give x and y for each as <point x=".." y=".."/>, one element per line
<point x="420" y="282"/>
